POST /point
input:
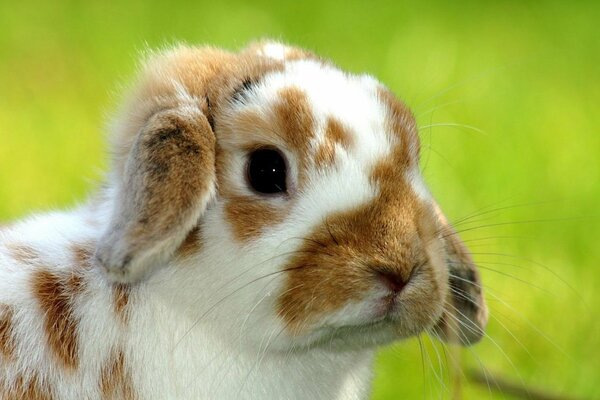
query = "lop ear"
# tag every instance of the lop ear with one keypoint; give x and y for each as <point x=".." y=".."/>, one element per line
<point x="465" y="315"/>
<point x="168" y="178"/>
<point x="163" y="172"/>
<point x="164" y="153"/>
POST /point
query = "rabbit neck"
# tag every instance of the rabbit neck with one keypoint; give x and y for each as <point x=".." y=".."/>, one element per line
<point x="188" y="337"/>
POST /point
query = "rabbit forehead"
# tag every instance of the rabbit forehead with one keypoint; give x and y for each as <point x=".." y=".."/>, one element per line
<point x="308" y="105"/>
<point x="328" y="93"/>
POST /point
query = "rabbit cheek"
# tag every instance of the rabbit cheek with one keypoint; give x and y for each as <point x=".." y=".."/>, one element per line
<point x="248" y="217"/>
<point x="320" y="281"/>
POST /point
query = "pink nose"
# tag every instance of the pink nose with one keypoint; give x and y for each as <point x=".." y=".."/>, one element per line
<point x="393" y="281"/>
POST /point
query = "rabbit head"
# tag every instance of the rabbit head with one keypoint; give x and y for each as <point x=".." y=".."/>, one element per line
<point x="273" y="169"/>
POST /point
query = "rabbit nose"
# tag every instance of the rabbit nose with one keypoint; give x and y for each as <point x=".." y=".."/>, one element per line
<point x="394" y="281"/>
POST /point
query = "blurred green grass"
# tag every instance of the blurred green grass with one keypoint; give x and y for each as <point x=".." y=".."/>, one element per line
<point x="524" y="74"/>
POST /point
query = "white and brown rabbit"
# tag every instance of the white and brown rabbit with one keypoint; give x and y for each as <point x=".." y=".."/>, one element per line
<point x="264" y="227"/>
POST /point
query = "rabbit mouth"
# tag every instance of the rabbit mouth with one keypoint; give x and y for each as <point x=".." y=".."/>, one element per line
<point x="379" y="332"/>
<point x="387" y="319"/>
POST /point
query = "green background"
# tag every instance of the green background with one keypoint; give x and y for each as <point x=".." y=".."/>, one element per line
<point x="506" y="94"/>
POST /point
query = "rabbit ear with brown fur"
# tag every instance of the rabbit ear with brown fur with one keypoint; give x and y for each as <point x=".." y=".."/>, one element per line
<point x="164" y="163"/>
<point x="164" y="149"/>
<point x="168" y="179"/>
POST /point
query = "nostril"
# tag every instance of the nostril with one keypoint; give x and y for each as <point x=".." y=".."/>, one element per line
<point x="393" y="281"/>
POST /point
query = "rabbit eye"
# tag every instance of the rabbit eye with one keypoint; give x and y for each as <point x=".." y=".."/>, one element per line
<point x="267" y="171"/>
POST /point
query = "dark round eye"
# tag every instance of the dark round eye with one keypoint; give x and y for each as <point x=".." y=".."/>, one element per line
<point x="267" y="171"/>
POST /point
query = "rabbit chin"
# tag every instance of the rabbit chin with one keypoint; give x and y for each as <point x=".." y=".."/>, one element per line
<point x="373" y="330"/>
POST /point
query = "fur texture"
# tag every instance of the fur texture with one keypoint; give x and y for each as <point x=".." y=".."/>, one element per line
<point x="180" y="281"/>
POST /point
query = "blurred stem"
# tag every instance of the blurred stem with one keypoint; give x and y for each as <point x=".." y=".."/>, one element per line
<point x="504" y="386"/>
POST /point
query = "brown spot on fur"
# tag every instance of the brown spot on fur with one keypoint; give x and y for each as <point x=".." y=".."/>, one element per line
<point x="295" y="122"/>
<point x="401" y="123"/>
<point x="82" y="254"/>
<point x="335" y="134"/>
<point x="55" y="296"/>
<point x="249" y="216"/>
<point x="191" y="245"/>
<point x="121" y="300"/>
<point x="23" y="253"/>
<point x="7" y="339"/>
<point x="250" y="127"/>
<point x="115" y="380"/>
<point x="26" y="389"/>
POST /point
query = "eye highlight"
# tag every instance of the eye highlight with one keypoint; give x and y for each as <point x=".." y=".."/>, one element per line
<point x="267" y="171"/>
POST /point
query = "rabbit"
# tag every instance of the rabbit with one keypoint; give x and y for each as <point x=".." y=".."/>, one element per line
<point x="262" y="230"/>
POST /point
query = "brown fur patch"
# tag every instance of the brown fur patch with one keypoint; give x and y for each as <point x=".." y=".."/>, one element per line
<point x="252" y="129"/>
<point x="335" y="134"/>
<point x="249" y="216"/>
<point x="191" y="245"/>
<point x="121" y="300"/>
<point x="32" y="389"/>
<point x="401" y="123"/>
<point x="115" y="379"/>
<point x="7" y="339"/>
<point x="83" y="255"/>
<point x="23" y="253"/>
<point x="169" y="179"/>
<point x="295" y="121"/>
<point x="55" y="296"/>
